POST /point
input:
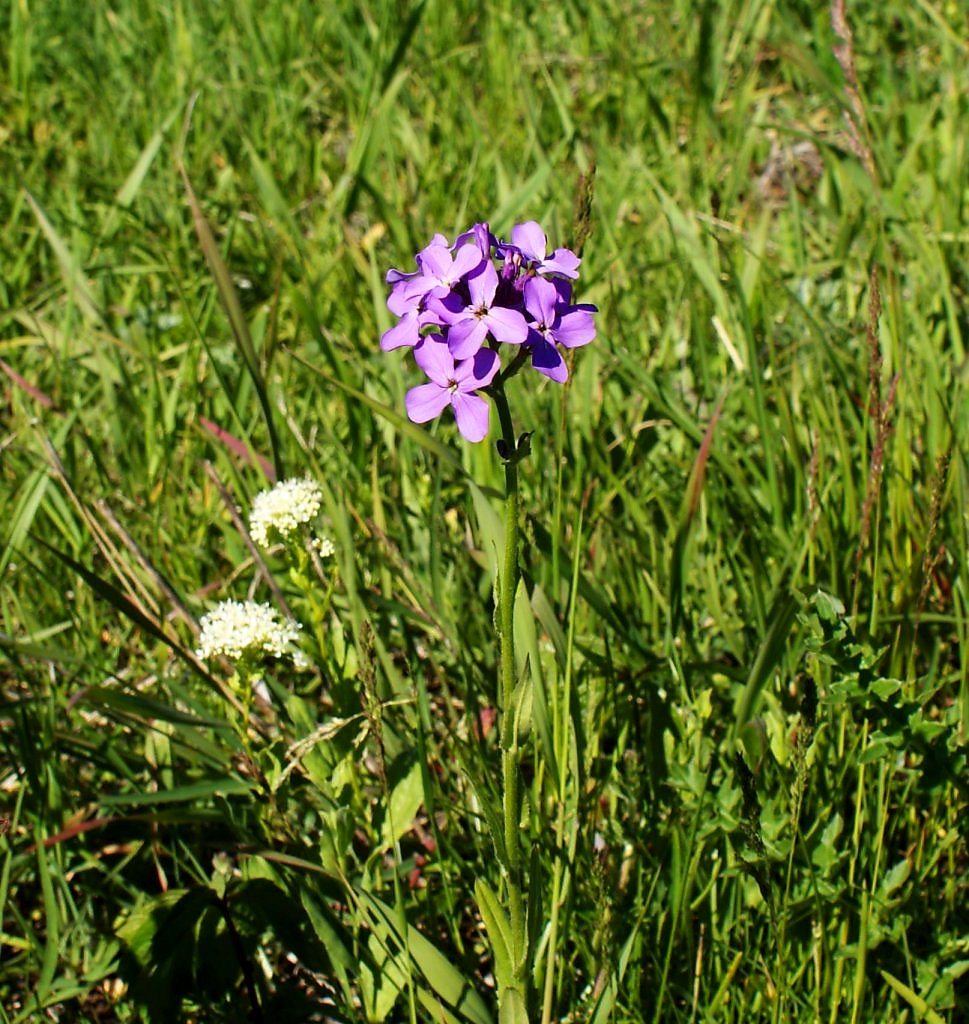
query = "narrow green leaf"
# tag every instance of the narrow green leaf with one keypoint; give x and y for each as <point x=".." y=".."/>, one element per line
<point x="108" y="592"/>
<point x="443" y="977"/>
<point x="550" y="623"/>
<point x="272" y="198"/>
<point x="769" y="654"/>
<point x="918" y="1004"/>
<point x="132" y="184"/>
<point x="495" y="827"/>
<point x="148" y="708"/>
<point x="70" y="266"/>
<point x="229" y="298"/>
<point x="223" y="786"/>
<point x="490" y="528"/>
<point x="526" y="642"/>
<point x="52" y="922"/>
<point x="498" y="927"/>
<point x="691" y="502"/>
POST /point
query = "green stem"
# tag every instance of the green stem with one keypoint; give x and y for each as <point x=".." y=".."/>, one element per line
<point x="510" y="753"/>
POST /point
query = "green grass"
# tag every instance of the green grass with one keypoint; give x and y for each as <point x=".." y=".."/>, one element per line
<point x="753" y="493"/>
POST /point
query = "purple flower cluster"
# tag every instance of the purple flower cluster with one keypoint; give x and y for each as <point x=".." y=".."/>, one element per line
<point x="466" y="299"/>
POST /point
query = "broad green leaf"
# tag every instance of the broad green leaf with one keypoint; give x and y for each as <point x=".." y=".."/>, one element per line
<point x="895" y="878"/>
<point x="511" y="1007"/>
<point x="405" y="801"/>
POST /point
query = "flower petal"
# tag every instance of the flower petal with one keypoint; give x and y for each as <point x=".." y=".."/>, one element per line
<point x="396" y="276"/>
<point x="547" y="359"/>
<point x="471" y="413"/>
<point x="407" y="294"/>
<point x="435" y="260"/>
<point x="483" y="284"/>
<point x="466" y="336"/>
<point x="406" y="332"/>
<point x="562" y="261"/>
<point x="447" y="310"/>
<point x="574" y="328"/>
<point x="529" y="239"/>
<point x="425" y="402"/>
<point x="541" y="298"/>
<point x="467" y="258"/>
<point x="477" y="372"/>
<point x="506" y="325"/>
<point x="435" y="359"/>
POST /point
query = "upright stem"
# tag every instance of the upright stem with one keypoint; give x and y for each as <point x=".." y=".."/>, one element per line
<point x="510" y="754"/>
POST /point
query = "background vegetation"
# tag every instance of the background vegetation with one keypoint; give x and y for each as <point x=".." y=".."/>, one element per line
<point x="746" y="561"/>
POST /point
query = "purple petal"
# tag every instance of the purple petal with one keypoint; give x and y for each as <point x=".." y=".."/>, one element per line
<point x="547" y="359"/>
<point x="435" y="261"/>
<point x="541" y="298"/>
<point x="395" y="276"/>
<point x="446" y="310"/>
<point x="575" y="327"/>
<point x="467" y="259"/>
<point x="482" y="285"/>
<point x="562" y="261"/>
<point x="435" y="359"/>
<point x="466" y="337"/>
<point x="406" y="332"/>
<point x="506" y="325"/>
<point x="471" y="413"/>
<point x="477" y="372"/>
<point x="425" y="402"/>
<point x="529" y="239"/>
<point x="407" y="294"/>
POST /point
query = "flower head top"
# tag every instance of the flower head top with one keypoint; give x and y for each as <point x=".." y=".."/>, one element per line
<point x="241" y="630"/>
<point x="279" y="513"/>
<point x="464" y="301"/>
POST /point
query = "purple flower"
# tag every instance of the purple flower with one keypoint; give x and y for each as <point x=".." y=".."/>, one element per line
<point x="529" y="240"/>
<point x="554" y="323"/>
<point x="466" y="299"/>
<point x="440" y="271"/>
<point x="452" y="385"/>
<point x="468" y="326"/>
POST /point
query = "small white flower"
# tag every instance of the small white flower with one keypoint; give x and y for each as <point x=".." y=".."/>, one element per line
<point x="237" y="628"/>
<point x="323" y="546"/>
<point x="288" y="506"/>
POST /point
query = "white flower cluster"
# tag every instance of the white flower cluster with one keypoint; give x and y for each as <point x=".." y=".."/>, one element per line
<point x="323" y="546"/>
<point x="288" y="506"/>
<point x="237" y="628"/>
